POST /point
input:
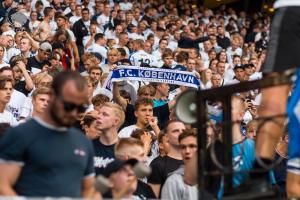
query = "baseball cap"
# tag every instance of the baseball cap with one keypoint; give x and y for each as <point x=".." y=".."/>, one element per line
<point x="46" y="46"/>
<point x="58" y="45"/>
<point x="238" y="67"/>
<point x="248" y="65"/>
<point x="116" y="165"/>
<point x="97" y="55"/>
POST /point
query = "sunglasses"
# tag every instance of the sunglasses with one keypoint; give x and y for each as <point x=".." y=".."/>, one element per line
<point x="68" y="106"/>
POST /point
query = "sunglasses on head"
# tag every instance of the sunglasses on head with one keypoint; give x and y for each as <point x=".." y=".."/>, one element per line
<point x="68" y="106"/>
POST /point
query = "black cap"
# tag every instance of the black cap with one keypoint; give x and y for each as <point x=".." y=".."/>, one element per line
<point x="160" y="29"/>
<point x="238" y="67"/>
<point x="58" y="45"/>
<point x="116" y="165"/>
<point x="97" y="55"/>
<point x="124" y="61"/>
<point x="248" y="65"/>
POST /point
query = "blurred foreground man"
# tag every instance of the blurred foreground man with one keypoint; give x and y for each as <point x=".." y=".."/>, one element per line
<point x="45" y="156"/>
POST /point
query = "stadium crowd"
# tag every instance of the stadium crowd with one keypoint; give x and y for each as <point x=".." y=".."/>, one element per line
<point x="134" y="120"/>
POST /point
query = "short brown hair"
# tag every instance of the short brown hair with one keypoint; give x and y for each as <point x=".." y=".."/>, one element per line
<point x="167" y="52"/>
<point x="187" y="133"/>
<point x="171" y="122"/>
<point x="142" y="90"/>
<point x="142" y="101"/>
<point x="41" y="90"/>
<point x="99" y="99"/>
<point x="3" y="81"/>
<point x="95" y="67"/>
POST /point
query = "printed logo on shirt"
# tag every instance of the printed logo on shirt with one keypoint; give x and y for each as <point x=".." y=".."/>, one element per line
<point x="14" y="111"/>
<point x="101" y="162"/>
<point x="237" y="163"/>
<point x="79" y="152"/>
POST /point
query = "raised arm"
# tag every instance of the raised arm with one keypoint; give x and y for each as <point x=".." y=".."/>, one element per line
<point x="29" y="83"/>
<point x="117" y="97"/>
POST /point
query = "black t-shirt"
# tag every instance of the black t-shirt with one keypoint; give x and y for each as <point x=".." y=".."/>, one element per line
<point x="103" y="155"/>
<point x="143" y="192"/>
<point x="34" y="63"/>
<point x="161" y="168"/>
<point x="161" y="112"/>
<point x="51" y="159"/>
<point x="20" y="86"/>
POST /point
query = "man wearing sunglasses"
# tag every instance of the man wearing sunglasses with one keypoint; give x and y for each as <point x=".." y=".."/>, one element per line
<point x="46" y="156"/>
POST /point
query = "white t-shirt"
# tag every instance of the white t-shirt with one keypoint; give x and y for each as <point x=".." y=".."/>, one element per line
<point x="99" y="49"/>
<point x="12" y="52"/>
<point x="230" y="53"/>
<point x="102" y="21"/>
<point x="26" y="109"/>
<point x="125" y="6"/>
<point x="15" y="104"/>
<point x="71" y="34"/>
<point x="135" y="36"/>
<point x="7" y="117"/>
<point x="157" y="54"/>
<point x="74" y="19"/>
<point x="126" y="131"/>
<point x="85" y="41"/>
<point x="141" y="57"/>
<point x="255" y="76"/>
<point x="4" y="64"/>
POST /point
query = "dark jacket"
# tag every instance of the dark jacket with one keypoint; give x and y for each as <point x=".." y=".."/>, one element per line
<point x="80" y="30"/>
<point x="185" y="42"/>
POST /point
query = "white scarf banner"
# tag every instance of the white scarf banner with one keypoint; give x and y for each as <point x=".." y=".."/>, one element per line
<point x="158" y="75"/>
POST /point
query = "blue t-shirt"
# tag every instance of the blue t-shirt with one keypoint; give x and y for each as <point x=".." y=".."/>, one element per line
<point x="54" y="162"/>
<point x="157" y="103"/>
<point x="243" y="155"/>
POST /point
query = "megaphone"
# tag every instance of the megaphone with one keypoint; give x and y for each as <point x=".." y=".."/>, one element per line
<point x="186" y="107"/>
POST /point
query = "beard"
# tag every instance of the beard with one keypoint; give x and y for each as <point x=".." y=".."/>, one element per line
<point x="59" y="119"/>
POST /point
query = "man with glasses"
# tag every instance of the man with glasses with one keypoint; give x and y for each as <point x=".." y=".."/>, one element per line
<point x="46" y="156"/>
<point x="35" y="64"/>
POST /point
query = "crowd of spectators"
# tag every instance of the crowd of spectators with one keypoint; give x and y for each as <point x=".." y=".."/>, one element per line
<point x="219" y="46"/>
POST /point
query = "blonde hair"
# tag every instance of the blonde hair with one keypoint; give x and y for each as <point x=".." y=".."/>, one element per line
<point x="118" y="111"/>
<point x="112" y="50"/>
<point x="39" y="77"/>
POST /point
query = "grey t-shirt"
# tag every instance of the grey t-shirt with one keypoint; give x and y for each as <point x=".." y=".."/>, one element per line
<point x="175" y="188"/>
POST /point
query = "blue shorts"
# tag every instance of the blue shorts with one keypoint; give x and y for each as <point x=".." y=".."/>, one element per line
<point x="293" y="111"/>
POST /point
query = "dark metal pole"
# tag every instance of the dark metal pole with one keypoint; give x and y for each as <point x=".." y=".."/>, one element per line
<point x="227" y="140"/>
<point x="202" y="141"/>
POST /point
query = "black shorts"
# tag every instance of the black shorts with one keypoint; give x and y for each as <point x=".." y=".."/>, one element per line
<point x="284" y="46"/>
